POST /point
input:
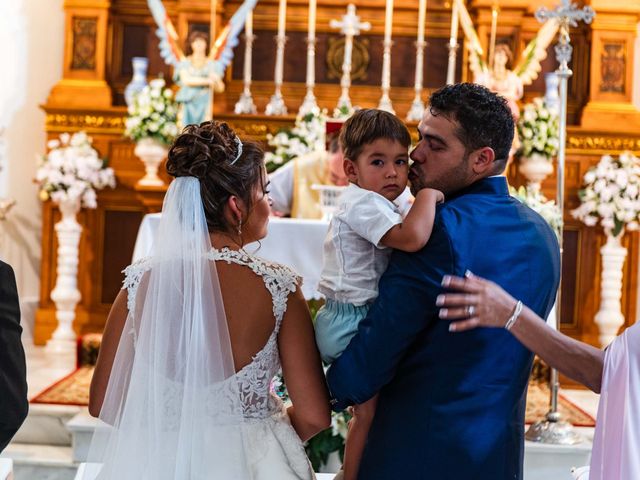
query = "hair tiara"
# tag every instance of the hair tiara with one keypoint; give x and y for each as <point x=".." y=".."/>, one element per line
<point x="239" y="154"/>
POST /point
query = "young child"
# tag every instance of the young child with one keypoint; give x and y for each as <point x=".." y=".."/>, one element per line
<point x="364" y="229"/>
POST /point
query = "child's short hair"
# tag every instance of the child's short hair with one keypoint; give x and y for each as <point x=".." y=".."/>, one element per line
<point x="368" y="125"/>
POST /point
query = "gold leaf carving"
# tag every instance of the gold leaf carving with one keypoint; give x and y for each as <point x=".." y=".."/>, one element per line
<point x="84" y="43"/>
<point x="602" y="144"/>
<point x="56" y="121"/>
<point x="613" y="64"/>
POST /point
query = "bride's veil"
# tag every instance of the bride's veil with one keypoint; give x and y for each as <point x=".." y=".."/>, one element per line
<point x="172" y="407"/>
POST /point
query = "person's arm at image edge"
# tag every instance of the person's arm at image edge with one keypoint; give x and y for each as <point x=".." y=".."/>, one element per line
<point x="493" y="307"/>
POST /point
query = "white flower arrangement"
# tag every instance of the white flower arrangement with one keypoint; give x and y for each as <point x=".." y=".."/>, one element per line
<point x="153" y="114"/>
<point x="535" y="200"/>
<point x="539" y="130"/>
<point x="611" y="194"/>
<point x="72" y="171"/>
<point x="306" y="136"/>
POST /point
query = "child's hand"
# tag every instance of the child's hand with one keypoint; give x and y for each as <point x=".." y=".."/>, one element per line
<point x="431" y="194"/>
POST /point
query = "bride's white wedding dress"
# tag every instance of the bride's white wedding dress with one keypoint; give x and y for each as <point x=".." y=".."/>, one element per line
<point x="272" y="447"/>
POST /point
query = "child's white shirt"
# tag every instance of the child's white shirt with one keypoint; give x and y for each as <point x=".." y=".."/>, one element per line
<point x="354" y="259"/>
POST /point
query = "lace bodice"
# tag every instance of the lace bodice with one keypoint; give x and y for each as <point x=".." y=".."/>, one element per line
<point x="253" y="380"/>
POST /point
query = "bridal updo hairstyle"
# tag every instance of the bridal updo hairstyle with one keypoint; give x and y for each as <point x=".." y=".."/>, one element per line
<point x="206" y="151"/>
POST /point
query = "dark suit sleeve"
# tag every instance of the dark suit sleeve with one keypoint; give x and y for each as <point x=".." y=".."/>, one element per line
<point x="13" y="383"/>
<point x="405" y="306"/>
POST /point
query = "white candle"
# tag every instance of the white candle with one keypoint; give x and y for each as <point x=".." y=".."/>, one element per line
<point x="312" y="19"/>
<point x="282" y="17"/>
<point x="248" y="25"/>
<point x="388" y="21"/>
<point x="422" y="15"/>
<point x="454" y="24"/>
<point x="248" y="32"/>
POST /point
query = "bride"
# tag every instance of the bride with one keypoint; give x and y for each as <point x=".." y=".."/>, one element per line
<point x="183" y="379"/>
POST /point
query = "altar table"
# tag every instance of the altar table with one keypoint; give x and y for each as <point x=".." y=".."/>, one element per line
<point x="296" y="243"/>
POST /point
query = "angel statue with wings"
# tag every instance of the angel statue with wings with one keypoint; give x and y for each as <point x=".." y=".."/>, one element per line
<point x="498" y="77"/>
<point x="197" y="73"/>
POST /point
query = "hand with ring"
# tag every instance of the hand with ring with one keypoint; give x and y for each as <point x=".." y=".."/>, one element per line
<point x="476" y="303"/>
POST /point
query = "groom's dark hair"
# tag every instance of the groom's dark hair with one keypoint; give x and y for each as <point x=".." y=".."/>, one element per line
<point x="484" y="117"/>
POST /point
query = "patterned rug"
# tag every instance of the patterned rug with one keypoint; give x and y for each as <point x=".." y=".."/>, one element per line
<point x="74" y="390"/>
<point x="538" y="398"/>
<point x="71" y="390"/>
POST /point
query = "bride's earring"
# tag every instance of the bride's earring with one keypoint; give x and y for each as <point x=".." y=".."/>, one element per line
<point x="240" y="227"/>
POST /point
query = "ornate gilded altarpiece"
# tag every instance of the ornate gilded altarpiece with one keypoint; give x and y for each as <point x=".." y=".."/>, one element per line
<point x="102" y="36"/>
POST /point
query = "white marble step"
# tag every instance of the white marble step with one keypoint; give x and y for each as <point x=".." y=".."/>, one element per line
<point x="6" y="469"/>
<point x="81" y="428"/>
<point x="545" y="462"/>
<point x="46" y="425"/>
<point x="40" y="462"/>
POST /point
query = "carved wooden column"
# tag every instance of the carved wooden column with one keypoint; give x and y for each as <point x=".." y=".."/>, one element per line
<point x="614" y="32"/>
<point x="83" y="83"/>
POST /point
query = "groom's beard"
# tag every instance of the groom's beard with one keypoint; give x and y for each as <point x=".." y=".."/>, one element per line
<point x="448" y="182"/>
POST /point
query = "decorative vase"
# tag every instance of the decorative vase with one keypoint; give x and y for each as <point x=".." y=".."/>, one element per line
<point x="551" y="95"/>
<point x="152" y="153"/>
<point x="535" y="168"/>
<point x="609" y="318"/>
<point x="65" y="293"/>
<point x="139" y="79"/>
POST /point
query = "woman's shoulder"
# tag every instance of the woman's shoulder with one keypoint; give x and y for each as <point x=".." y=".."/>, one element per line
<point x="134" y="272"/>
<point x="269" y="270"/>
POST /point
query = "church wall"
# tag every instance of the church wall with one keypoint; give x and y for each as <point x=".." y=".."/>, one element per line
<point x="31" y="49"/>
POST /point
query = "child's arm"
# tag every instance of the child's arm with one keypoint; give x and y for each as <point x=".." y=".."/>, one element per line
<point x="414" y="232"/>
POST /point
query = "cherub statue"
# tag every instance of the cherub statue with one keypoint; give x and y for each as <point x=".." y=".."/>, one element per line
<point x="498" y="77"/>
<point x="197" y="73"/>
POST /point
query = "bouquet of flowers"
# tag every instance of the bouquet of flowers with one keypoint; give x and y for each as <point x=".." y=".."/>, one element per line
<point x="72" y="170"/>
<point x="539" y="203"/>
<point x="538" y="129"/>
<point x="306" y="136"/>
<point x="611" y="194"/>
<point x="326" y="442"/>
<point x="153" y="114"/>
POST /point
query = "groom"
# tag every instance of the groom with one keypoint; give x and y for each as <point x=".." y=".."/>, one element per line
<point x="451" y="406"/>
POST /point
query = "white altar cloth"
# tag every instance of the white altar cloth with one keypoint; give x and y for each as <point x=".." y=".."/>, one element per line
<point x="296" y="243"/>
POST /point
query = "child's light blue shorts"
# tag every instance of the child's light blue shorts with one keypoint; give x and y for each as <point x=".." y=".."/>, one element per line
<point x="336" y="324"/>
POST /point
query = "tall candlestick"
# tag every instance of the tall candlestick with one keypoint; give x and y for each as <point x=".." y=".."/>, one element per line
<point x="417" y="106"/>
<point x="453" y="43"/>
<point x="553" y="430"/>
<point x="385" y="101"/>
<point x="309" y="104"/>
<point x="276" y="105"/>
<point x="245" y="103"/>
<point x="350" y="26"/>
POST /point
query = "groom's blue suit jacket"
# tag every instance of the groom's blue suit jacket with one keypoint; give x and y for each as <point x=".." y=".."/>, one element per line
<point x="451" y="405"/>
